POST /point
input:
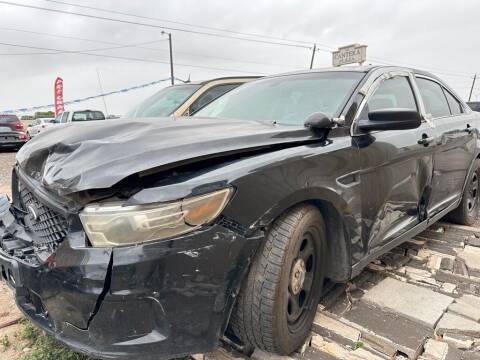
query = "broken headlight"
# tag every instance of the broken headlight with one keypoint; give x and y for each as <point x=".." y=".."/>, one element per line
<point x="112" y="224"/>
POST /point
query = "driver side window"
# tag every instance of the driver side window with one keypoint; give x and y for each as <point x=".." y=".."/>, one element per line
<point x="393" y="93"/>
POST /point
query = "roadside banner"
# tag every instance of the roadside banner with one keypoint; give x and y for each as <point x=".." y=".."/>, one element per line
<point x="59" y="106"/>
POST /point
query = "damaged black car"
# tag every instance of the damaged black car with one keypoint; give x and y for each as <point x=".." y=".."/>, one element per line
<point x="152" y="239"/>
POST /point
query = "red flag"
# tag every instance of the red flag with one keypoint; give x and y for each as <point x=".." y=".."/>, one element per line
<point x="59" y="96"/>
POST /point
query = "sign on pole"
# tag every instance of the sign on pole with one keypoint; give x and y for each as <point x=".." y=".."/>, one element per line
<point x="59" y="106"/>
<point x="350" y="54"/>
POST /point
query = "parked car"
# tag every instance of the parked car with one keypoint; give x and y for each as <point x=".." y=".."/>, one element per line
<point x="78" y="116"/>
<point x="150" y="239"/>
<point x="39" y="125"/>
<point x="186" y="99"/>
<point x="474" y="105"/>
<point x="12" y="132"/>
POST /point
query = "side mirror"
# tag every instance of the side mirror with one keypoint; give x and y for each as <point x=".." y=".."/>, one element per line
<point x="391" y="119"/>
<point x="318" y="121"/>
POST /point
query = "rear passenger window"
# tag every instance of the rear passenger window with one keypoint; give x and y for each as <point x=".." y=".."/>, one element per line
<point x="455" y="107"/>
<point x="391" y="93"/>
<point x="433" y="98"/>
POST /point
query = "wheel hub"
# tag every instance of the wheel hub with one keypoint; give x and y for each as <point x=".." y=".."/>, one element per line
<point x="297" y="277"/>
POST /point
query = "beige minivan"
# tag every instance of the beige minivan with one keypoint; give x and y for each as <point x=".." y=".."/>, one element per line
<point x="186" y="99"/>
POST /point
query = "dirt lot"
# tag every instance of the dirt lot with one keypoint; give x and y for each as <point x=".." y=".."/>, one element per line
<point x="419" y="301"/>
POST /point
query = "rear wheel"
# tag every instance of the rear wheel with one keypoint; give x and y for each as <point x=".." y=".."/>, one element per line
<point x="279" y="298"/>
<point x="467" y="211"/>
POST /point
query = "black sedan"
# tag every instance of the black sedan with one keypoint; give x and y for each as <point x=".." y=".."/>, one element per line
<point x="144" y="239"/>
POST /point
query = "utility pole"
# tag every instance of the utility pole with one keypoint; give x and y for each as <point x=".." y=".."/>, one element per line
<point x="172" y="79"/>
<point x="313" y="55"/>
<point x="101" y="91"/>
<point x="473" y="85"/>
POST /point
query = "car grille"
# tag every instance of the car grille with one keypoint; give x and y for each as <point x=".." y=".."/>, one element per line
<point x="49" y="227"/>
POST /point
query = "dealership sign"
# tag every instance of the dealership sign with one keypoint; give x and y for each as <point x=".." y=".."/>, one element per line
<point x="59" y="105"/>
<point x="350" y="54"/>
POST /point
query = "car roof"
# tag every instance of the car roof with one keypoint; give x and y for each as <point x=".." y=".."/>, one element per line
<point x="362" y="69"/>
<point x="203" y="82"/>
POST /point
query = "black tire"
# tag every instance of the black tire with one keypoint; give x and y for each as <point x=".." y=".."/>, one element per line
<point x="264" y="315"/>
<point x="467" y="211"/>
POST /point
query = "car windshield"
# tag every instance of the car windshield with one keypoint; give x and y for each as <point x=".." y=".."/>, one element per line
<point x="87" y="115"/>
<point x="164" y="102"/>
<point x="286" y="99"/>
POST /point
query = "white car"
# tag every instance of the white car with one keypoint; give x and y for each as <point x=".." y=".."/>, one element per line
<point x="82" y="115"/>
<point x="39" y="125"/>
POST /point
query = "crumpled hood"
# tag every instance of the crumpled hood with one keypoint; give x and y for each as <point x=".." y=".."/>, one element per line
<point x="98" y="154"/>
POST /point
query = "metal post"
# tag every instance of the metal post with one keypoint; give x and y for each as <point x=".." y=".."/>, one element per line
<point x="313" y="55"/>
<point x="473" y="85"/>
<point x="171" y="58"/>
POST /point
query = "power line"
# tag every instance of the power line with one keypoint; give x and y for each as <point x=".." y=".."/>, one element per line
<point x="67" y="37"/>
<point x="119" y="45"/>
<point x="154" y="26"/>
<point x="188" y="31"/>
<point x="327" y="47"/>
<point x="330" y="48"/>
<point x="73" y="51"/>
<point x="127" y="58"/>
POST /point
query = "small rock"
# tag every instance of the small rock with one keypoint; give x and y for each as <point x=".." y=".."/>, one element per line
<point x="462" y="307"/>
<point x="455" y="324"/>
<point x="460" y="268"/>
<point x="333" y="329"/>
<point x="449" y="287"/>
<point x="436" y="350"/>
<point x="471" y="256"/>
<point x="447" y="264"/>
<point x="474" y="241"/>
<point x="317" y="341"/>
<point x="470" y="300"/>
<point x="461" y="342"/>
<point x="434" y="262"/>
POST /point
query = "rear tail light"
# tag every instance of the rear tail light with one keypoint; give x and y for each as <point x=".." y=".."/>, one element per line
<point x="22" y="136"/>
<point x="18" y="126"/>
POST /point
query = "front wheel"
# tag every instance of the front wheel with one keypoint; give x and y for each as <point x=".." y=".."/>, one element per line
<point x="467" y="211"/>
<point x="278" y="301"/>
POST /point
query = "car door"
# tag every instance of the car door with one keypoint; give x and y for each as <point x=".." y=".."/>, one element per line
<point x="455" y="143"/>
<point x="396" y="165"/>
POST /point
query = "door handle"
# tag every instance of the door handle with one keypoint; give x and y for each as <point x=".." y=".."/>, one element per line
<point x="426" y="140"/>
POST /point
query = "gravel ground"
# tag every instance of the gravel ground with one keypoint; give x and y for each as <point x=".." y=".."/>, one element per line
<point x="7" y="159"/>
